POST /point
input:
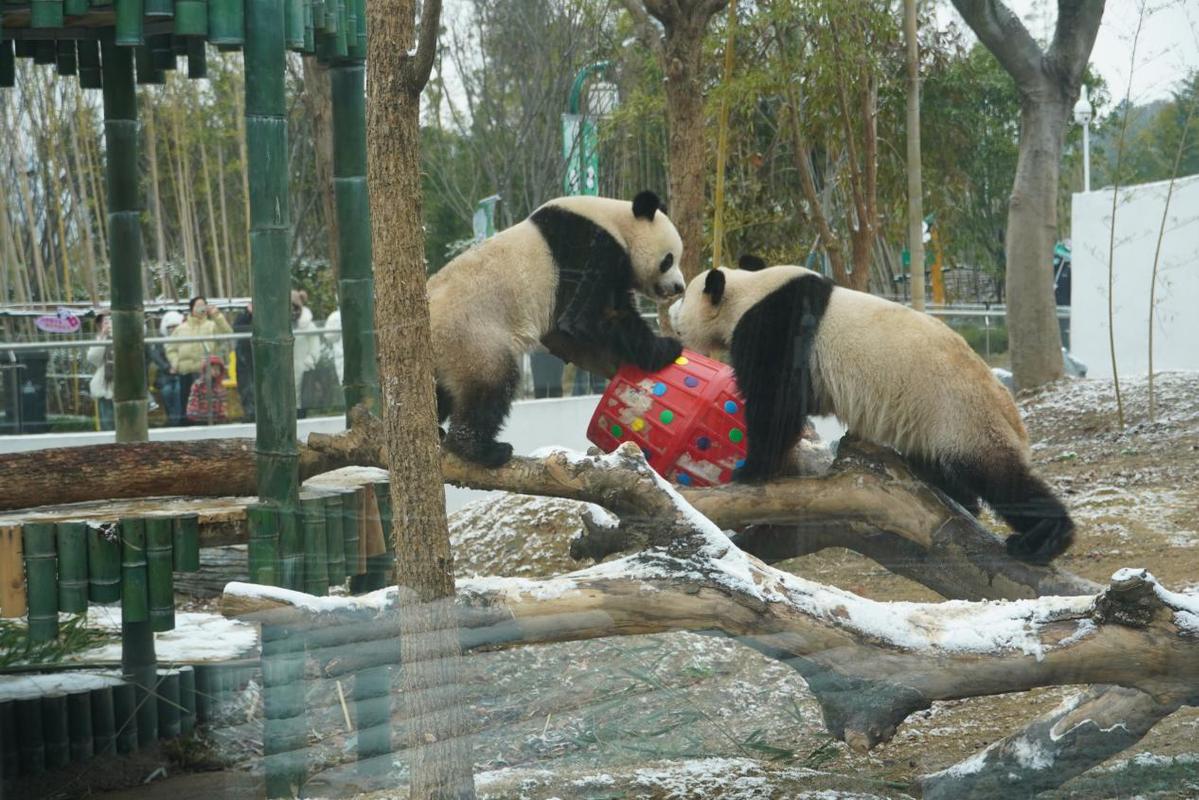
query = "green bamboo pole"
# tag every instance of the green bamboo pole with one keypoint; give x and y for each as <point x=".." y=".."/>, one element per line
<point x="291" y="551"/>
<point x="309" y="33"/>
<point x="187" y="700"/>
<point x="266" y="146"/>
<point x="335" y="539"/>
<point x="45" y="52"/>
<point x="318" y="16"/>
<point x="135" y="596"/>
<point x="186" y="549"/>
<point x="128" y="22"/>
<point x="284" y="736"/>
<point x="32" y="746"/>
<point x="227" y="22"/>
<point x="372" y="711"/>
<point x="104" y="563"/>
<point x="293" y="23"/>
<point x="9" y="749"/>
<point x="162" y="51"/>
<point x="357" y="284"/>
<point x="79" y="723"/>
<point x="204" y="693"/>
<point x="197" y="58"/>
<point x="341" y="41"/>
<point x="349" y="528"/>
<point x="191" y="18"/>
<point x="160" y="8"/>
<point x="147" y="73"/>
<point x="88" y="51"/>
<point x="72" y="567"/>
<point x="316" y="547"/>
<point x="159" y="578"/>
<point x="169" y="707"/>
<point x="124" y="703"/>
<point x="45" y="14"/>
<point x="25" y="48"/>
<point x="357" y="43"/>
<point x="381" y="565"/>
<point x="104" y="722"/>
<point x="125" y="244"/>
<point x="65" y="59"/>
<point x="54" y="730"/>
<point x="144" y="678"/>
<point x="8" y="64"/>
<point x="41" y="581"/>
<point x="74" y="8"/>
<point x="263" y="523"/>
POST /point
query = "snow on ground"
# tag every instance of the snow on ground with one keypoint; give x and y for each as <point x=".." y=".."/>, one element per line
<point x="19" y="687"/>
<point x="198" y="636"/>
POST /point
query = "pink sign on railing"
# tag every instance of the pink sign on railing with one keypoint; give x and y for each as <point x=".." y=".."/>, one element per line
<point x="64" y="321"/>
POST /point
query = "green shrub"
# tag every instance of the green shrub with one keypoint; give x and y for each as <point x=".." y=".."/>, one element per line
<point x="975" y="334"/>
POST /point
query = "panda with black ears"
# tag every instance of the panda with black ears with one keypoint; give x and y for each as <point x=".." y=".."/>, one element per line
<point x="801" y="346"/>
<point x="569" y="269"/>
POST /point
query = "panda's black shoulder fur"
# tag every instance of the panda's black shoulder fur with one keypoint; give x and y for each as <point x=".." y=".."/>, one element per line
<point x="771" y="354"/>
<point x="594" y="271"/>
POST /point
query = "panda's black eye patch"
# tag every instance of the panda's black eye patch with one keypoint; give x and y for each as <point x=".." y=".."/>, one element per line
<point x="667" y="263"/>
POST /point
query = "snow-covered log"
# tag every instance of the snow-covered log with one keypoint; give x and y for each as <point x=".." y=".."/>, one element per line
<point x="870" y="664"/>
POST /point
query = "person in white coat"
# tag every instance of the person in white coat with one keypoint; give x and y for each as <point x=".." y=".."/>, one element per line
<point x="100" y="357"/>
<point x="307" y="349"/>
<point x="333" y="341"/>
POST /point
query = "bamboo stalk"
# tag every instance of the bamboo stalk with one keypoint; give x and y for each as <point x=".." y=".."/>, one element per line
<point x="316" y="547"/>
<point x="135" y="598"/>
<point x="291" y="552"/>
<point x="227" y="22"/>
<point x="266" y="143"/>
<point x="104" y="722"/>
<point x="356" y="287"/>
<point x="159" y="579"/>
<point x="187" y="700"/>
<point x="372" y="709"/>
<point x="169" y="708"/>
<point x="32" y="750"/>
<point x="197" y="58"/>
<point x="79" y="183"/>
<point x="124" y="702"/>
<point x="12" y="573"/>
<point x="220" y="169"/>
<point x="129" y="15"/>
<point x="75" y="8"/>
<point x="72" y="567"/>
<point x="187" y="543"/>
<point x="160" y="8"/>
<point x="54" y="730"/>
<point x="222" y="289"/>
<point x="284" y="738"/>
<point x="263" y="524"/>
<point x="160" y="248"/>
<point x="335" y="539"/>
<point x="162" y="52"/>
<point x="104" y="563"/>
<point x="41" y="575"/>
<point x="191" y="18"/>
<point x="139" y="667"/>
<point x="293" y="24"/>
<point x="355" y="563"/>
<point x="125" y="245"/>
<point x="64" y="63"/>
<point x="204" y="693"/>
<point x="46" y="14"/>
<point x="9" y="750"/>
<point x="8" y="64"/>
<point x="79" y="725"/>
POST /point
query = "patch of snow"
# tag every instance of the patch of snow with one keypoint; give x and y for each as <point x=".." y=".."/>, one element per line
<point x="512" y="588"/>
<point x="1029" y="754"/>
<point x="970" y="766"/>
<point x="1186" y="606"/>
<point x="20" y="687"/>
<point x="198" y="636"/>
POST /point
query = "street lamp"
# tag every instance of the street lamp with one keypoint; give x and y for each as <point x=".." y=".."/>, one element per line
<point x="1084" y="112"/>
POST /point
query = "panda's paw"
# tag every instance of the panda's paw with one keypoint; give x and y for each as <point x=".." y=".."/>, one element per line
<point x="748" y="475"/>
<point x="1048" y="539"/>
<point x="494" y="454"/>
<point x="666" y="350"/>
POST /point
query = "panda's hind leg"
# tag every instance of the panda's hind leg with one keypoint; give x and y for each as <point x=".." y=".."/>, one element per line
<point x="948" y="480"/>
<point x="478" y="412"/>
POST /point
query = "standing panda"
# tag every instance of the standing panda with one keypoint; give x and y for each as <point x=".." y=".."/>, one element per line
<point x="570" y="270"/>
<point x="800" y="345"/>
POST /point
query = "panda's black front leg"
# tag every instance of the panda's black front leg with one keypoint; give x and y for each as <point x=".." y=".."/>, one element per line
<point x="630" y="338"/>
<point x="476" y="419"/>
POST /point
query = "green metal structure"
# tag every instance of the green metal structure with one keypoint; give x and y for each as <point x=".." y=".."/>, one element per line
<point x="115" y="46"/>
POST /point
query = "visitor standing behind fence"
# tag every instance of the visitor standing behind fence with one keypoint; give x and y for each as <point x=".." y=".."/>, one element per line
<point x="307" y="349"/>
<point x="188" y="358"/>
<point x="245" y="362"/>
<point x="100" y="356"/>
<point x="165" y="377"/>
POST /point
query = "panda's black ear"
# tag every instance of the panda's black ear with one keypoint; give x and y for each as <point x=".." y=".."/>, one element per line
<point x="645" y="205"/>
<point x="751" y="263"/>
<point x="714" y="286"/>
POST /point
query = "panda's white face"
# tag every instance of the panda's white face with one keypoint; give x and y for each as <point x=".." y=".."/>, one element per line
<point x="708" y="313"/>
<point x="655" y="248"/>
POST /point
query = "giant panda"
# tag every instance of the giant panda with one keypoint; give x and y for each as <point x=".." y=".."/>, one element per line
<point x="800" y="346"/>
<point x="568" y="269"/>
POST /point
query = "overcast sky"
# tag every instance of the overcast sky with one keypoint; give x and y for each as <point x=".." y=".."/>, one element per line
<point x="1167" y="49"/>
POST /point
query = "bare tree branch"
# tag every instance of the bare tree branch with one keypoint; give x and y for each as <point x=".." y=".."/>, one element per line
<point x="1074" y="36"/>
<point x="418" y="65"/>
<point x="1005" y="36"/>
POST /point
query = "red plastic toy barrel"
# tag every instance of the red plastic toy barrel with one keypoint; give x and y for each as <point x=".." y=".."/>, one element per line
<point x="688" y="418"/>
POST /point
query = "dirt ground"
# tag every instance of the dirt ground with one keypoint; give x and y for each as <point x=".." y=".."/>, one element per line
<point x="691" y="716"/>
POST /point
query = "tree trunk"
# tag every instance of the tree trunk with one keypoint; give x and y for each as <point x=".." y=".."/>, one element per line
<point x="318" y="99"/>
<point x="160" y="247"/>
<point x="687" y="146"/>
<point x="436" y="724"/>
<point x="1036" y="341"/>
<point x="915" y="186"/>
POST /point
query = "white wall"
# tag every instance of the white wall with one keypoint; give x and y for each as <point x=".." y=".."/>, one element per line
<point x="1176" y="315"/>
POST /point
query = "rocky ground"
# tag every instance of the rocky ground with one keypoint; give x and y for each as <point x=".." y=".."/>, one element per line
<point x="690" y="716"/>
